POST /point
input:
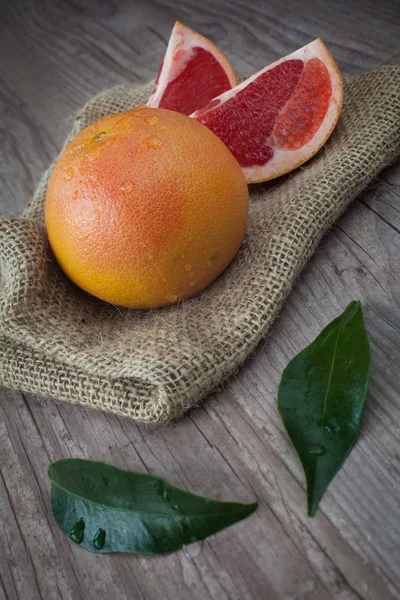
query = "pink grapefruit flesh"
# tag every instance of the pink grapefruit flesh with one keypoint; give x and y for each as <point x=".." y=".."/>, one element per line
<point x="192" y="72"/>
<point x="280" y="117"/>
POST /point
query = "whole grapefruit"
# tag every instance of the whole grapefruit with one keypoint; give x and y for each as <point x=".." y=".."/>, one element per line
<point x="146" y="208"/>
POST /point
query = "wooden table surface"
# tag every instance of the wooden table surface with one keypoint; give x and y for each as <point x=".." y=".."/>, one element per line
<point x="54" y="55"/>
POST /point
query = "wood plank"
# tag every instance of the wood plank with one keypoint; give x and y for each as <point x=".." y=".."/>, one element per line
<point x="53" y="57"/>
<point x="383" y="198"/>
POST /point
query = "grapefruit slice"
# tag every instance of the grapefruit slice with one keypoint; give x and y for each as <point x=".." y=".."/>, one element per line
<point x="277" y="119"/>
<point x="191" y="74"/>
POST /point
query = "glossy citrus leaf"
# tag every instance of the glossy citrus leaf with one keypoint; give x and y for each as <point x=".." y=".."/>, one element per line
<point x="321" y="398"/>
<point x="106" y="509"/>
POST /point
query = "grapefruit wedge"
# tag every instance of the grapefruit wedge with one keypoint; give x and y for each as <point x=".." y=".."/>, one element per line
<point x="191" y="74"/>
<point x="277" y="119"/>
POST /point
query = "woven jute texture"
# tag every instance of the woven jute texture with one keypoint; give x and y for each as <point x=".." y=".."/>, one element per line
<point x="153" y="365"/>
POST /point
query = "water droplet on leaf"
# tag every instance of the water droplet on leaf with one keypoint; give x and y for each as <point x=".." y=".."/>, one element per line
<point x="77" y="532"/>
<point x="317" y="450"/>
<point x="333" y="427"/>
<point x="99" y="539"/>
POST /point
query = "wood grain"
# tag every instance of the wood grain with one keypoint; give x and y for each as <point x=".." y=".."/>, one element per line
<point x="53" y="56"/>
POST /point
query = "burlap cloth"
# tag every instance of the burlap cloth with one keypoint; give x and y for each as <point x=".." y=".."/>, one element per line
<point x="153" y="365"/>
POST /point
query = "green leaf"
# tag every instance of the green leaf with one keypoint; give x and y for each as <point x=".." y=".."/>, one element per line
<point x="105" y="509"/>
<point x="321" y="398"/>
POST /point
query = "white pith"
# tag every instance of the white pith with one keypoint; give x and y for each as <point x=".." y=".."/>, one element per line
<point x="183" y="38"/>
<point x="284" y="160"/>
